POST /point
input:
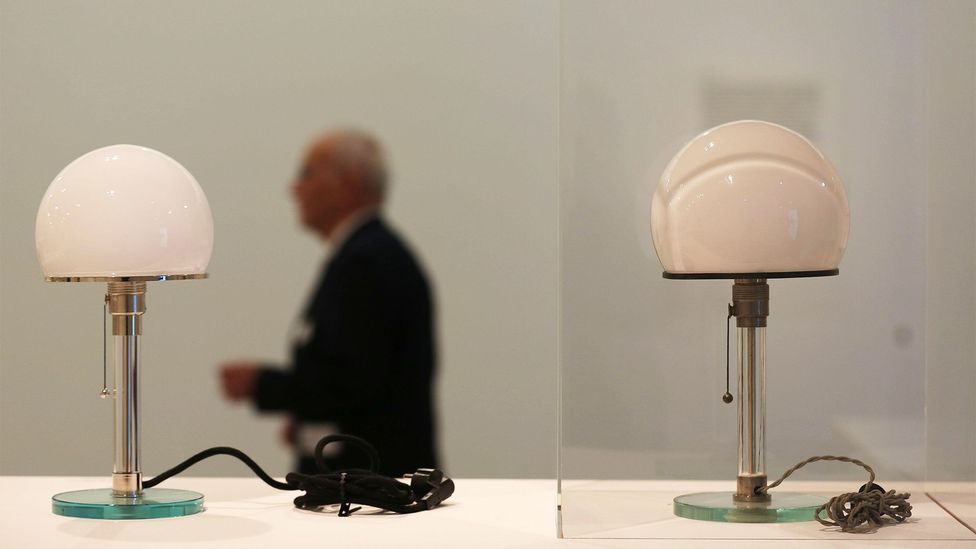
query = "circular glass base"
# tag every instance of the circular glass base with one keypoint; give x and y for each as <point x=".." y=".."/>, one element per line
<point x="102" y="504"/>
<point x="720" y="507"/>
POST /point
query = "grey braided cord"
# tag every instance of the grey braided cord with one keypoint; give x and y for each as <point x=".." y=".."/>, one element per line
<point x="808" y="461"/>
<point x="852" y="510"/>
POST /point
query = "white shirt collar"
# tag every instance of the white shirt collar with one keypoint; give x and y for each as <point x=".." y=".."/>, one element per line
<point x="349" y="225"/>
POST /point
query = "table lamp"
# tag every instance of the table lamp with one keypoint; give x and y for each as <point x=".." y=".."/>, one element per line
<point x="125" y="215"/>
<point x="749" y="201"/>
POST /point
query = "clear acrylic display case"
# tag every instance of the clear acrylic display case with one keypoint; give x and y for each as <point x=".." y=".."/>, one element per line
<point x="877" y="363"/>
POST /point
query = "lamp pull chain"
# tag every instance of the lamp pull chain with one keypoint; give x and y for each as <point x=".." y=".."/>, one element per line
<point x="727" y="397"/>
<point x="104" y="393"/>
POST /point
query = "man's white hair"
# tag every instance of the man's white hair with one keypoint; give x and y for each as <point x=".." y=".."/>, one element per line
<point x="357" y="150"/>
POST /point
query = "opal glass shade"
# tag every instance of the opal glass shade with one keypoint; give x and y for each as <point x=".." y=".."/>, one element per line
<point x="749" y="197"/>
<point x="124" y="211"/>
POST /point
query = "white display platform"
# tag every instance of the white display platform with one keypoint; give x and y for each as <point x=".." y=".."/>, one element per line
<point x="643" y="510"/>
<point x="245" y="513"/>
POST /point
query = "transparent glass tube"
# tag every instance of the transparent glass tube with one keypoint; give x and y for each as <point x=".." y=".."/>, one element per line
<point x="752" y="401"/>
<point x="127" y="459"/>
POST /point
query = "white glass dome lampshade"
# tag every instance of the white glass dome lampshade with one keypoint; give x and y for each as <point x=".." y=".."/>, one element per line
<point x="124" y="211"/>
<point x="749" y="197"/>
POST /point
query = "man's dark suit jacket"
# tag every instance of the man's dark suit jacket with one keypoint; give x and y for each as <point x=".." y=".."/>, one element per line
<point x="368" y="362"/>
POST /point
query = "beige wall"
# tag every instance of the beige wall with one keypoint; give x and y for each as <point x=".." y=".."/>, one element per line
<point x="877" y="363"/>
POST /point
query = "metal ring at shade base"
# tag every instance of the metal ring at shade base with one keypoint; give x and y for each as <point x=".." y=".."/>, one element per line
<point x="720" y="507"/>
<point x="102" y="503"/>
<point x="784" y="274"/>
<point x="146" y="278"/>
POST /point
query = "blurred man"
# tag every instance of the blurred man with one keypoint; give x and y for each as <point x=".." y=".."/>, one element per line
<point x="364" y="356"/>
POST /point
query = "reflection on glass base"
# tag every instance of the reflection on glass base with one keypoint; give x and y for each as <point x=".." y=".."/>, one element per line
<point x="102" y="504"/>
<point x="720" y="507"/>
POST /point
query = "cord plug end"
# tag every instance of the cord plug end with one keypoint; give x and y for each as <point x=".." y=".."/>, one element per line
<point x="430" y="486"/>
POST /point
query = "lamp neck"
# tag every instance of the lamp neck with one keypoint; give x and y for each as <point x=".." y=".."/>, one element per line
<point x="750" y="302"/>
<point x="126" y="304"/>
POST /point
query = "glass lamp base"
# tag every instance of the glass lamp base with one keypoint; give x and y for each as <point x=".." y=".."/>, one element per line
<point x="102" y="504"/>
<point x="720" y="507"/>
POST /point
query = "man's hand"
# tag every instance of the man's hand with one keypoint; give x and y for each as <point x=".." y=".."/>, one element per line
<point x="289" y="433"/>
<point x="239" y="379"/>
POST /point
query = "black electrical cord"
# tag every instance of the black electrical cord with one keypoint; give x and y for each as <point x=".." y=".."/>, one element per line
<point x="427" y="488"/>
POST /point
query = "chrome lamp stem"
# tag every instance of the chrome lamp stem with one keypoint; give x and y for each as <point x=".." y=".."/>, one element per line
<point x="127" y="304"/>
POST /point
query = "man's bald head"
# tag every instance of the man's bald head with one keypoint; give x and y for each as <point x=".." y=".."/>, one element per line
<point x="344" y="173"/>
<point x="356" y="154"/>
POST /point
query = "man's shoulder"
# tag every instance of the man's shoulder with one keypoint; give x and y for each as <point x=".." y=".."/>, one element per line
<point x="375" y="254"/>
<point x="374" y="239"/>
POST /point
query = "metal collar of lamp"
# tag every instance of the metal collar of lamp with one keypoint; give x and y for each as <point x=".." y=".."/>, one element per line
<point x="125" y="215"/>
<point x="749" y="201"/>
